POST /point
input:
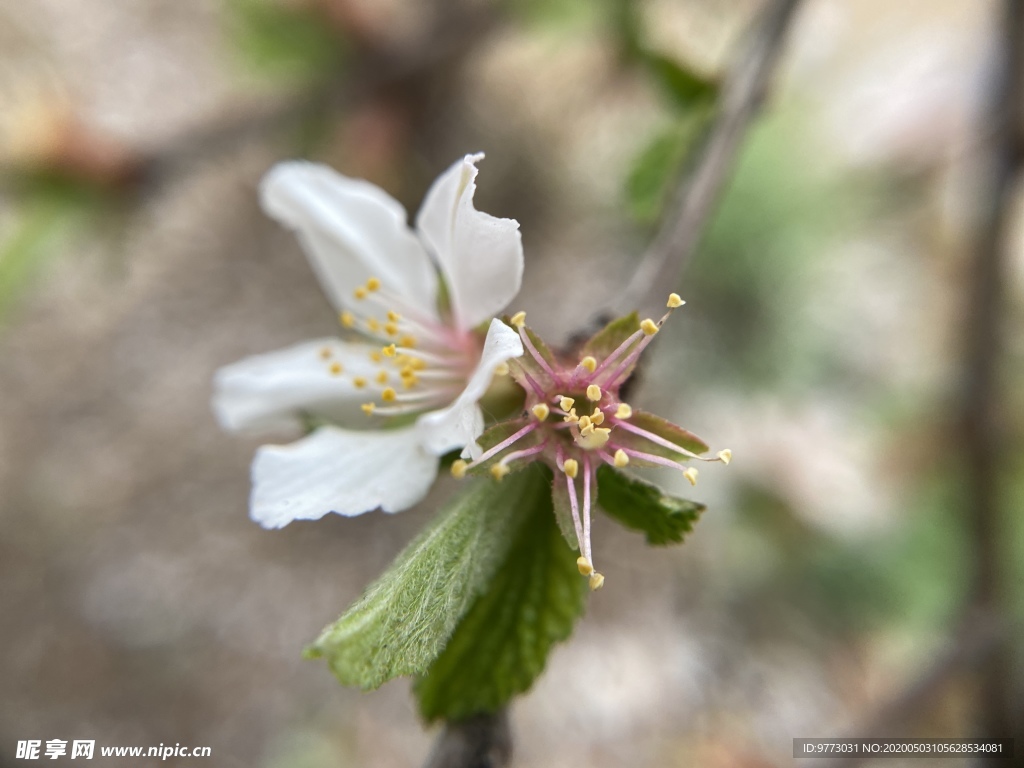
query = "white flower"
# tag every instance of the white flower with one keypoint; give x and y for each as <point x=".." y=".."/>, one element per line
<point x="417" y="360"/>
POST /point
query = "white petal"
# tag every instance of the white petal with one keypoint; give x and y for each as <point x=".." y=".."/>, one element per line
<point x="272" y="390"/>
<point x="351" y="230"/>
<point x="335" y="470"/>
<point x="461" y="423"/>
<point x="481" y="256"/>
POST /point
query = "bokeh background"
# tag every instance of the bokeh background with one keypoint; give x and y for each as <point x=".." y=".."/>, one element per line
<point x="824" y="342"/>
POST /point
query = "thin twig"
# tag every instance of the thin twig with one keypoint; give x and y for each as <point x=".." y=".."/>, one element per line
<point x="980" y="422"/>
<point x="698" y="192"/>
<point x="483" y="741"/>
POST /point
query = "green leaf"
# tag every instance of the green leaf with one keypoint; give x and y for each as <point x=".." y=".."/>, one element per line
<point x="278" y="40"/>
<point x="657" y="166"/>
<point x="662" y="428"/>
<point x="686" y="88"/>
<point x="403" y="620"/>
<point x="610" y="338"/>
<point x="643" y="507"/>
<point x="502" y="644"/>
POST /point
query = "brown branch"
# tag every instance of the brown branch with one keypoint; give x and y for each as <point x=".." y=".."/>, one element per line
<point x="483" y="741"/>
<point x="979" y="419"/>
<point x="698" y="192"/>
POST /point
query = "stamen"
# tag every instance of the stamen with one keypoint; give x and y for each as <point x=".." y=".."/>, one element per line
<point x="389" y="350"/>
<point x="376" y="356"/>
<point x="597" y="417"/>
<point x="571" y="467"/>
<point x="347" y="319"/>
<point x="565" y="403"/>
<point x="358" y="382"/>
<point x="381" y="377"/>
<point x="389" y="395"/>
<point x="407" y="341"/>
<point x="587" y="481"/>
<point x="506" y="442"/>
<point x="659" y="440"/>
<point x="621" y="459"/>
<point x="393" y="316"/>
<point x="335" y="369"/>
<point x="368" y="408"/>
<point x="585" y="566"/>
<point x="571" y="416"/>
<point x="518" y="320"/>
<point x="624" y="411"/>
<point x="674" y="301"/>
<point x="391" y="329"/>
<point x="589" y="362"/>
<point x="499" y="471"/>
<point x="502" y="369"/>
<point x="596" y="581"/>
<point x="573" y="501"/>
<point x="325" y="353"/>
<point x="649" y="327"/>
<point x="725" y="455"/>
<point x="373" y="284"/>
<point x="593" y="393"/>
<point x="372" y="324"/>
<point x="691" y="475"/>
<point x="410" y="381"/>
<point x="360" y="293"/>
<point x="593" y="438"/>
<point x="459" y="467"/>
<point x="541" y="411"/>
<point x="528" y="343"/>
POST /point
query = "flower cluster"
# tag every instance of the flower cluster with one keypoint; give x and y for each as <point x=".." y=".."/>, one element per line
<point x="414" y="361"/>
<point x="575" y="420"/>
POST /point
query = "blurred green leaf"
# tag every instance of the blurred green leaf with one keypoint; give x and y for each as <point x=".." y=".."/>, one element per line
<point x="502" y="644"/>
<point x="657" y="166"/>
<point x="664" y="429"/>
<point x="685" y="88"/>
<point x="644" y="507"/>
<point x="274" y="39"/>
<point x="611" y="337"/>
<point x="402" y="621"/>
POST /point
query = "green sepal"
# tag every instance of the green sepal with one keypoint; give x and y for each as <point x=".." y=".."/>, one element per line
<point x="610" y="338"/>
<point x="687" y="89"/>
<point x="563" y="510"/>
<point x="656" y="167"/>
<point x="662" y="428"/>
<point x="499" y="433"/>
<point x="641" y="506"/>
<point x="524" y="366"/>
<point x="402" y="621"/>
<point x="502" y="644"/>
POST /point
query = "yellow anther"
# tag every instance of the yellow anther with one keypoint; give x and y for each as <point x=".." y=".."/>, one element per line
<point x="593" y="393"/>
<point x="368" y="408"/>
<point x="498" y="471"/>
<point x="381" y="377"/>
<point x="372" y="324"/>
<point x="391" y="329"/>
<point x="358" y="382"/>
<point x="389" y="350"/>
<point x="407" y="341"/>
<point x="565" y="403"/>
<point x="502" y="369"/>
<point x="571" y="416"/>
<point x="691" y="475"/>
<point x="459" y="468"/>
<point x="407" y="372"/>
<point x="360" y="292"/>
<point x="674" y="301"/>
<point x="335" y="369"/>
<point x="585" y="425"/>
<point x="589" y="362"/>
<point x="571" y="467"/>
<point x="596" y="581"/>
<point x="541" y="411"/>
<point x="585" y="566"/>
<point x="418" y="364"/>
<point x="597" y="417"/>
<point x="518" y="319"/>
<point x="376" y="356"/>
<point x="593" y="438"/>
<point x="649" y="327"/>
<point x="725" y="455"/>
<point x="623" y="411"/>
<point x="388" y="395"/>
<point x="393" y="316"/>
<point x="347" y="319"/>
<point x="325" y="353"/>
<point x="410" y="381"/>
<point x="621" y="459"/>
<point x="373" y="284"/>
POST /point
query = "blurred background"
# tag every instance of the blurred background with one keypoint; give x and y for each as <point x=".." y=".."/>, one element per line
<point x="860" y="569"/>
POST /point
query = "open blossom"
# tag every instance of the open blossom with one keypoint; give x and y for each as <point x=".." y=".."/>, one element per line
<point x="576" y="421"/>
<point x="415" y="365"/>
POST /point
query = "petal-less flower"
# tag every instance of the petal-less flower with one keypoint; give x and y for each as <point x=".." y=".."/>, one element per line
<point x="420" y="367"/>
<point x="575" y="421"/>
